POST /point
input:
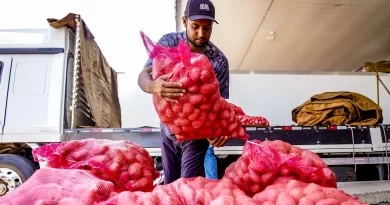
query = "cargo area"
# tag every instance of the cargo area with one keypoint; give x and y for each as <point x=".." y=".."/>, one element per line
<point x="309" y="88"/>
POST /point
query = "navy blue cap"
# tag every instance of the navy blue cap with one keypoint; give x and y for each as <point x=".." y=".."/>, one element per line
<point x="200" y="9"/>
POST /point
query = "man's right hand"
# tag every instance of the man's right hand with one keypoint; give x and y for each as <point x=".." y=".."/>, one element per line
<point x="218" y="141"/>
<point x="168" y="91"/>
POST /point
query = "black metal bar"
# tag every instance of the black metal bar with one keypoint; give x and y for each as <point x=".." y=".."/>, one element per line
<point x="31" y="50"/>
<point x="1" y="69"/>
<point x="308" y="136"/>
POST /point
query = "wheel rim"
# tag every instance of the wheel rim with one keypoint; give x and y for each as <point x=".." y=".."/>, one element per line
<point x="9" y="180"/>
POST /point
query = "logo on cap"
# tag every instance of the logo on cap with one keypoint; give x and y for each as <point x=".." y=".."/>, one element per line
<point x="204" y="7"/>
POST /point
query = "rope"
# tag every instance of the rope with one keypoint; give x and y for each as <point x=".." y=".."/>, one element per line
<point x="386" y="153"/>
<point x="377" y="84"/>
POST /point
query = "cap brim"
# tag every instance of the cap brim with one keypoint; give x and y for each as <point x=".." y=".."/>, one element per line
<point x="199" y="17"/>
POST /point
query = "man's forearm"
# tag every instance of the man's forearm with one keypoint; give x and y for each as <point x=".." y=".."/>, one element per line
<point x="144" y="81"/>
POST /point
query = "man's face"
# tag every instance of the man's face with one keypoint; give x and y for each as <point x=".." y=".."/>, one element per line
<point x="198" y="31"/>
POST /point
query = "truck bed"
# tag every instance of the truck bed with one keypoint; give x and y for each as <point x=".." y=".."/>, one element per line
<point x="335" y="143"/>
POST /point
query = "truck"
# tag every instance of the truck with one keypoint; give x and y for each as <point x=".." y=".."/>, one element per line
<point x="48" y="94"/>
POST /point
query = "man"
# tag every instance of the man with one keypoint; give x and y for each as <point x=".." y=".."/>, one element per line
<point x="186" y="159"/>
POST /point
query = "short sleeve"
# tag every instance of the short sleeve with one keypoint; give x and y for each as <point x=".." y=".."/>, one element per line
<point x="223" y="78"/>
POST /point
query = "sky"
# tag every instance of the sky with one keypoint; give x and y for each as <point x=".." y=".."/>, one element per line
<point x="116" y="26"/>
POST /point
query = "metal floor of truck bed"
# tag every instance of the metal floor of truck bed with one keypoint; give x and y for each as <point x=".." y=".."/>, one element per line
<point x="371" y="192"/>
<point x="319" y="139"/>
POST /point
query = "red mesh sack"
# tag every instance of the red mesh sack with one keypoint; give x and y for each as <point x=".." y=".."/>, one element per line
<point x="125" y="163"/>
<point x="238" y="110"/>
<point x="296" y="193"/>
<point x="201" y="112"/>
<point x="248" y="120"/>
<point x="161" y="195"/>
<point x="60" y="187"/>
<point x="253" y="120"/>
<point x="268" y="162"/>
<point x="197" y="190"/>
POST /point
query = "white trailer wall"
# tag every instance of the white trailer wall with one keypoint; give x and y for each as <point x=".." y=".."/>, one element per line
<point x="271" y="95"/>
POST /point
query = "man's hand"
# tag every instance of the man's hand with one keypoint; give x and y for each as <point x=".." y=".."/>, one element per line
<point x="218" y="141"/>
<point x="166" y="90"/>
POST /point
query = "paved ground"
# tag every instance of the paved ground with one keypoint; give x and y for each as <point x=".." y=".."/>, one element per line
<point x="376" y="192"/>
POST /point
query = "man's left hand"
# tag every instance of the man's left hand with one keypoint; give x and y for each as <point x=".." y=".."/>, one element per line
<point x="218" y="141"/>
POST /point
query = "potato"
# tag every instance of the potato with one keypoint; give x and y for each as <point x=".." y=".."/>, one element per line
<point x="285" y="199"/>
<point x="296" y="194"/>
<point x="187" y="194"/>
<point x="311" y="188"/>
<point x="285" y="171"/>
<point x="294" y="184"/>
<point x="256" y="188"/>
<point x="316" y="196"/>
<point x="256" y="178"/>
<point x="225" y="200"/>
<point x="268" y="178"/>
<point x="203" y="196"/>
<point x="305" y="201"/>
<point x="226" y="192"/>
<point x="266" y="195"/>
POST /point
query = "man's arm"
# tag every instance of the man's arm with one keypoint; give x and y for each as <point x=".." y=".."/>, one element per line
<point x="145" y="79"/>
<point x="166" y="90"/>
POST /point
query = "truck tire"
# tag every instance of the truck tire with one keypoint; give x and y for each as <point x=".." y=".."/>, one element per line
<point x="14" y="170"/>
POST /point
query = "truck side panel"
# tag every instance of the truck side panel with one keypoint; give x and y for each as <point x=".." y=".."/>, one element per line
<point x="5" y="69"/>
<point x="35" y="94"/>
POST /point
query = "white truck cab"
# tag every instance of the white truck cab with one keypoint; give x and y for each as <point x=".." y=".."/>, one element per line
<point x="41" y="94"/>
<point x="33" y="83"/>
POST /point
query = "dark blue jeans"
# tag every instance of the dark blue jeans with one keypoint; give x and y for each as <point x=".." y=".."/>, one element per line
<point x="182" y="159"/>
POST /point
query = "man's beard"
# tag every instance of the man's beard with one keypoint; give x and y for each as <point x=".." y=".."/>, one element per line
<point x="194" y="44"/>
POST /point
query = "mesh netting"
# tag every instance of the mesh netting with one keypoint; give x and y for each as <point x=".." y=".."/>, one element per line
<point x="237" y="109"/>
<point x="295" y="192"/>
<point x="197" y="190"/>
<point x="161" y="195"/>
<point x="253" y="120"/>
<point x="201" y="112"/>
<point x="247" y="119"/>
<point x="269" y="162"/>
<point x="125" y="163"/>
<point x="60" y="187"/>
